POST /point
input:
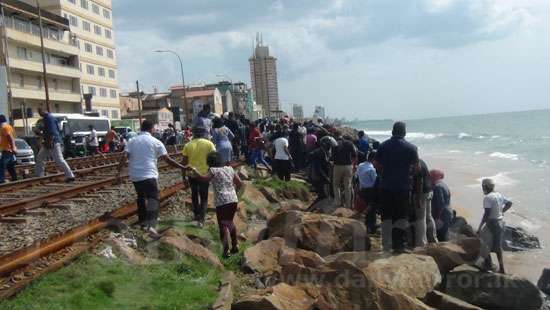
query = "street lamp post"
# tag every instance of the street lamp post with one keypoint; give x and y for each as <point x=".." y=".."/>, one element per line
<point x="182" y="77"/>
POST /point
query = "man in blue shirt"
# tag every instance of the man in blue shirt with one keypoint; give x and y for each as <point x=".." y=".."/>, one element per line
<point x="397" y="160"/>
<point x="363" y="143"/>
<point x="51" y="146"/>
<point x="367" y="176"/>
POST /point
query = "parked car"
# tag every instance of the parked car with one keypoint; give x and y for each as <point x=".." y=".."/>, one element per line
<point x="24" y="154"/>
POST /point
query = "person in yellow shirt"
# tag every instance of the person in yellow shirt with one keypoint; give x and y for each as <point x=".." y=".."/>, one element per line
<point x="194" y="155"/>
<point x="8" y="149"/>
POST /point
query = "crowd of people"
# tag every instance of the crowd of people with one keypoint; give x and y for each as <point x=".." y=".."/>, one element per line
<point x="388" y="180"/>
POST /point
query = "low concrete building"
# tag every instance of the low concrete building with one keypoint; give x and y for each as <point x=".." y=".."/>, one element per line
<point x="161" y="118"/>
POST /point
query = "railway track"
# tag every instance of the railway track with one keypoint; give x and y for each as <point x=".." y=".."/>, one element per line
<point x="28" y="194"/>
<point x="78" y="163"/>
<point x="21" y="267"/>
<point x="54" y="234"/>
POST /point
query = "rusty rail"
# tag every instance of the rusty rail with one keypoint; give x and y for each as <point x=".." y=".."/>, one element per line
<point x="21" y="258"/>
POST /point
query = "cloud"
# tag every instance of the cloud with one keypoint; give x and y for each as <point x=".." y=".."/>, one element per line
<point x="309" y="37"/>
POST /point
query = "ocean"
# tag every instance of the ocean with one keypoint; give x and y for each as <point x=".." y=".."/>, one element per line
<point x="512" y="148"/>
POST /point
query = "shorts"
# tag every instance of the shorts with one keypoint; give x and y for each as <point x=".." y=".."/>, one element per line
<point x="496" y="227"/>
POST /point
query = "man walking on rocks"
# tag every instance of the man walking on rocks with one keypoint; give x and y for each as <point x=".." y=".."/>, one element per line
<point x="51" y="146"/>
<point x="397" y="160"/>
<point x="143" y="152"/>
<point x="491" y="227"/>
<point x="195" y="154"/>
<point x="345" y="156"/>
<point x="7" y="150"/>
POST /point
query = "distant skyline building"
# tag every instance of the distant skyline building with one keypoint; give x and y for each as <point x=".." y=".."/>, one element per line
<point x="319" y="112"/>
<point x="263" y="75"/>
<point x="298" y="112"/>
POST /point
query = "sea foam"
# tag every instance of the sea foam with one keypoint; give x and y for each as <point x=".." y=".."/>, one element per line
<point x="510" y="156"/>
<point x="501" y="179"/>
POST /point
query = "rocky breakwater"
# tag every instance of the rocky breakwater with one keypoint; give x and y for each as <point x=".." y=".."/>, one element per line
<point x="312" y="260"/>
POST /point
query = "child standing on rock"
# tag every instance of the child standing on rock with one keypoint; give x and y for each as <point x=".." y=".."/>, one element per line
<point x="223" y="180"/>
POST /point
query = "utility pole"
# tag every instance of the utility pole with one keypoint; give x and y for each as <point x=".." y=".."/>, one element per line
<point x="182" y="81"/>
<point x="139" y="102"/>
<point x="8" y="69"/>
<point x="45" y="73"/>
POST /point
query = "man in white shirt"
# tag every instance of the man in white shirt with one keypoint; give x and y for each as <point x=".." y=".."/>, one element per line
<point x="143" y="152"/>
<point x="93" y="142"/>
<point x="491" y="227"/>
<point x="282" y="165"/>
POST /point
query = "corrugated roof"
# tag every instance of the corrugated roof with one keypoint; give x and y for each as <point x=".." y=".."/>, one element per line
<point x="199" y="93"/>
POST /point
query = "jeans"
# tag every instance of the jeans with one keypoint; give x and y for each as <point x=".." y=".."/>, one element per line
<point x="57" y="156"/>
<point x="148" y="201"/>
<point x="443" y="224"/>
<point x="342" y="177"/>
<point x="396" y="209"/>
<point x="425" y="225"/>
<point x="257" y="156"/>
<point x="368" y="196"/>
<point x="199" y="198"/>
<point x="8" y="161"/>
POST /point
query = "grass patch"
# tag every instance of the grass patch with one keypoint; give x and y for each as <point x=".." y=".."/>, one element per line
<point x="98" y="283"/>
<point x="280" y="186"/>
<point x="210" y="232"/>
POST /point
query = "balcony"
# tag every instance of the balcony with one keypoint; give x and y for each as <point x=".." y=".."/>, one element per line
<point x="38" y="94"/>
<point x="59" y="46"/>
<point x="34" y="66"/>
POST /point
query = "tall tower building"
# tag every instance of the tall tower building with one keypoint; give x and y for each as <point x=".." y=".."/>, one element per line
<point x="91" y="21"/>
<point x="263" y="74"/>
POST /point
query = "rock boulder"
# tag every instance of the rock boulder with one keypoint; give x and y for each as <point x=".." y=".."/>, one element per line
<point x="449" y="255"/>
<point x="443" y="301"/>
<point x="320" y="233"/>
<point x="519" y="239"/>
<point x="493" y="291"/>
<point x="414" y="275"/>
<point x="544" y="281"/>
<point x="173" y="244"/>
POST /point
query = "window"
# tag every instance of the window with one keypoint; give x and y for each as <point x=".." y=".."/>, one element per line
<point x="53" y="33"/>
<point x="103" y="92"/>
<point x="21" y="81"/>
<point x="91" y="90"/>
<point x="39" y="82"/>
<point x="73" y="20"/>
<point x="114" y="114"/>
<point x="21" y="52"/>
<point x="110" y="53"/>
<point x="88" y="47"/>
<point x="86" y="25"/>
<point x="108" y="34"/>
<point x="100" y="71"/>
<point x="55" y="84"/>
<point x="95" y="8"/>
<point x="97" y="29"/>
<point x="99" y="50"/>
<point x="113" y="93"/>
<point x="106" y="13"/>
<point x="35" y="29"/>
<point x="84" y="4"/>
<point x="111" y="73"/>
<point x="90" y="69"/>
<point x="22" y="25"/>
<point x="105" y="113"/>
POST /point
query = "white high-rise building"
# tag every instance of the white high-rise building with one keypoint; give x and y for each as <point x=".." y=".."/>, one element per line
<point x="91" y="21"/>
<point x="263" y="75"/>
<point x="319" y="112"/>
<point x="21" y="67"/>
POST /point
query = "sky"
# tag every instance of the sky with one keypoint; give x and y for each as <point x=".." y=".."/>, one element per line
<point x="360" y="59"/>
